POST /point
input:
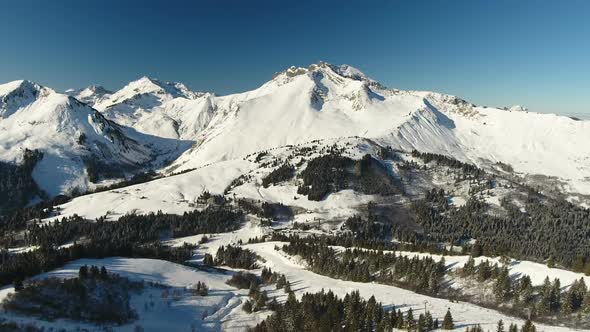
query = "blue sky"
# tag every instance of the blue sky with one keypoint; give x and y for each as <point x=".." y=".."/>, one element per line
<point x="503" y="52"/>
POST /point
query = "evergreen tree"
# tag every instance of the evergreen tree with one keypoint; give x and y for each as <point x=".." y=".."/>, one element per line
<point x="502" y="286"/>
<point x="555" y="296"/>
<point x="447" y="323"/>
<point x="247" y="307"/>
<point x="513" y="328"/>
<point x="569" y="301"/>
<point x="208" y="260"/>
<point x="83" y="272"/>
<point x="528" y="326"/>
<point x="410" y="323"/>
<point x="500" y="327"/>
<point x="18" y="284"/>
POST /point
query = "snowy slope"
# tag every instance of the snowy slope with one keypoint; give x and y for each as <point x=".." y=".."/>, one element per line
<point x="91" y="95"/>
<point x="158" y="108"/>
<point x="325" y="101"/>
<point x="68" y="132"/>
<point x="220" y="310"/>
<point x="464" y="314"/>
<point x="331" y="102"/>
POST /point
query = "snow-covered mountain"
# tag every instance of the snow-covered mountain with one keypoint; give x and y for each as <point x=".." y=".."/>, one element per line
<point x="325" y="101"/>
<point x="91" y="95"/>
<point x="75" y="138"/>
<point x="158" y="108"/>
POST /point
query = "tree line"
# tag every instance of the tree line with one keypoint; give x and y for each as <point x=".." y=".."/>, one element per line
<point x="420" y="274"/>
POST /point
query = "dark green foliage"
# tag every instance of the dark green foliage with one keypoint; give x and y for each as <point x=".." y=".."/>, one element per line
<point x="448" y="323"/>
<point x="333" y="172"/>
<point x="323" y="175"/>
<point x="247" y="307"/>
<point x="96" y="298"/>
<point x="8" y="326"/>
<point x="131" y="236"/>
<point x="17" y="186"/>
<point x="208" y="260"/>
<point x="367" y="229"/>
<point x="549" y="229"/>
<point x="133" y="228"/>
<point x="235" y="257"/>
<point x="528" y="326"/>
<point x="243" y="280"/>
<point x="372" y="178"/>
<point x="422" y="275"/>
<point x="324" y="311"/>
<point x="48" y="258"/>
<point x="17" y="220"/>
<point x="448" y="161"/>
<point x="18" y="284"/>
<point x="283" y="173"/>
<point x="98" y="169"/>
<point x="276" y="211"/>
<point x="200" y="289"/>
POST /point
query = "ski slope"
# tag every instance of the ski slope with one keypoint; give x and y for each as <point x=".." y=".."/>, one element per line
<point x="464" y="314"/>
<point x="220" y="310"/>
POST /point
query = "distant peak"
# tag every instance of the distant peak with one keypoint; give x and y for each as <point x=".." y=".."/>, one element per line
<point x="98" y="89"/>
<point x="147" y="84"/>
<point x="23" y="87"/>
<point x="343" y="70"/>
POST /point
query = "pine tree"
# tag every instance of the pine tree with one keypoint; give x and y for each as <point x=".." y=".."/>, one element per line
<point x="569" y="301"/>
<point x="525" y="290"/>
<point x="433" y="284"/>
<point x="208" y="260"/>
<point x="528" y="326"/>
<point x="500" y="327"/>
<point x="551" y="262"/>
<point x="18" y="284"/>
<point x="578" y="265"/>
<point x="247" y="307"/>
<point x="429" y="321"/>
<point x="83" y="272"/>
<point x="513" y="328"/>
<point x="421" y="326"/>
<point x="410" y="319"/>
<point x="544" y="305"/>
<point x="555" y="297"/>
<point x="469" y="268"/>
<point x="447" y="323"/>
<point x="580" y="293"/>
<point x="502" y="286"/>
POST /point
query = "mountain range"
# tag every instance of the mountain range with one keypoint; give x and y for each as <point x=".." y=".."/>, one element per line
<point x="93" y="135"/>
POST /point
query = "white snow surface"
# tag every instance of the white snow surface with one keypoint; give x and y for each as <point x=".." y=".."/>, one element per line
<point x="325" y="101"/>
<point x="303" y="280"/>
<point x="220" y="310"/>
<point x="67" y="131"/>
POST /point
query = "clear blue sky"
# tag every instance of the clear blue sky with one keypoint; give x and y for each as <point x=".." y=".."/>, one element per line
<point x="535" y="53"/>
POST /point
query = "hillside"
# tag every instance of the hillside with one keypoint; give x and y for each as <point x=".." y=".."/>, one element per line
<point x="79" y="145"/>
<point x="321" y="190"/>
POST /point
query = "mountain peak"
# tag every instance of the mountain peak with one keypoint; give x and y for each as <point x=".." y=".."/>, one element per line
<point x="344" y="70"/>
<point x="89" y="95"/>
<point x="16" y="94"/>
<point x="151" y="86"/>
<point x="21" y="86"/>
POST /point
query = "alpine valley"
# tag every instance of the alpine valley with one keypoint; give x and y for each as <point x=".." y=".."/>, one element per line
<point x="321" y="200"/>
